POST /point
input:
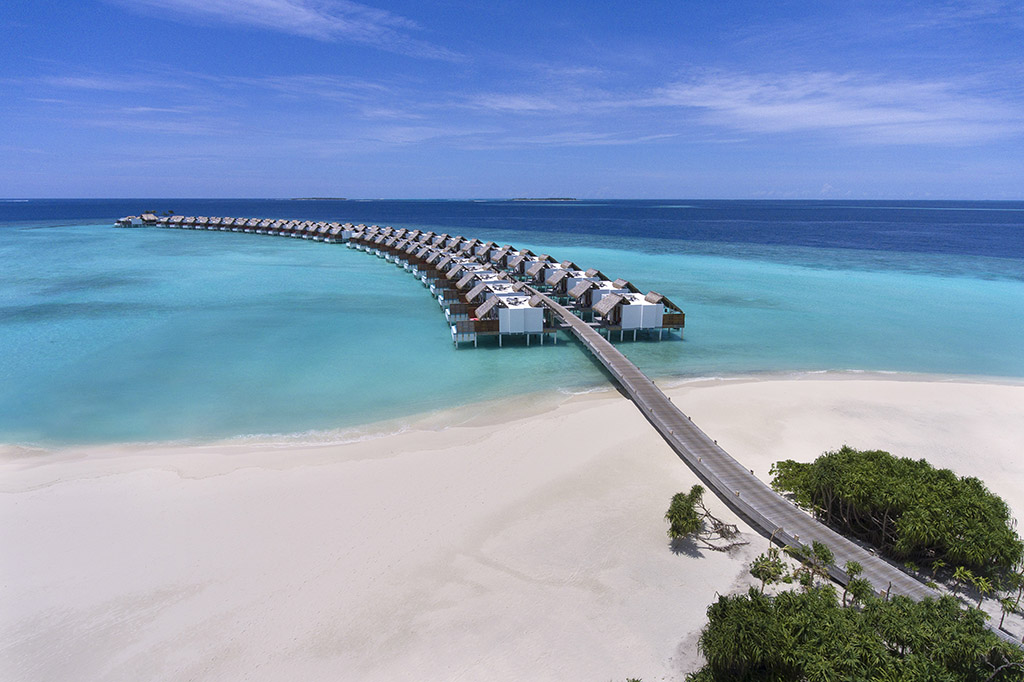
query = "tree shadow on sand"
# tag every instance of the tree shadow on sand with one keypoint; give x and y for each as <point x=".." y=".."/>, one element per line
<point x="686" y="546"/>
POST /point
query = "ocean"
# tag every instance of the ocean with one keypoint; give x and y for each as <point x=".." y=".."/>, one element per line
<point x="112" y="335"/>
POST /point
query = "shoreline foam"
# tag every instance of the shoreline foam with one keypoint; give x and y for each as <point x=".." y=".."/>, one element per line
<point x="523" y="404"/>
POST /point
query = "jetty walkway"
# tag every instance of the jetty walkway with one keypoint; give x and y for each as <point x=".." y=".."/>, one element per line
<point x="728" y="479"/>
<point x="738" y="487"/>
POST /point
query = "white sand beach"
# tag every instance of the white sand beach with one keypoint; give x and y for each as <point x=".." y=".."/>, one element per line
<point x="520" y="540"/>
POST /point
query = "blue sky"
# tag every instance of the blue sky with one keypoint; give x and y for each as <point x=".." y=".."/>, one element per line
<point x="453" y="98"/>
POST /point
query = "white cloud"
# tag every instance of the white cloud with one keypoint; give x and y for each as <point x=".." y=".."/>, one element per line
<point x="571" y="139"/>
<point x="319" y="19"/>
<point x="515" y="103"/>
<point x="110" y="83"/>
<point x="403" y="135"/>
<point x="863" y="109"/>
<point x="159" y="110"/>
<point x="315" y="86"/>
<point x="710" y="107"/>
<point x="956" y="13"/>
<point x="383" y="113"/>
<point x="179" y="128"/>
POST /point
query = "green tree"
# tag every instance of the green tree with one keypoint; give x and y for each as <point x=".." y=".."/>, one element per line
<point x="984" y="587"/>
<point x="769" y="568"/>
<point x="961" y="577"/>
<point x="815" y="560"/>
<point x="682" y="515"/>
<point x="908" y="509"/>
<point x="1006" y="605"/>
<point x="810" y="636"/>
<point x="861" y="590"/>
<point x="688" y="517"/>
<point x="853" y="570"/>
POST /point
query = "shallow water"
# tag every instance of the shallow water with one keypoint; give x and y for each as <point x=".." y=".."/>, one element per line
<point x="149" y="334"/>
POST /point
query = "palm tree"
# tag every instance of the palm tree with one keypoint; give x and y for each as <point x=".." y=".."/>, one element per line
<point x="769" y="568"/>
<point x="853" y="569"/>
<point x="962" y="576"/>
<point x="1007" y="605"/>
<point x="983" y="585"/>
<point x="682" y="515"/>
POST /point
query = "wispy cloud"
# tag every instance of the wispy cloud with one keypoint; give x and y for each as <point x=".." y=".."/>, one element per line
<point x="320" y="19"/>
<point x="176" y="127"/>
<point x="855" y="108"/>
<point x="110" y="83"/>
<point x="216" y="90"/>
<point x="864" y="109"/>
<point x="959" y="12"/>
<point x="403" y="135"/>
<point x="159" y="110"/>
<point x="385" y="113"/>
<point x="570" y="139"/>
<point x="306" y="86"/>
<point x="515" y="103"/>
<point x="709" y="107"/>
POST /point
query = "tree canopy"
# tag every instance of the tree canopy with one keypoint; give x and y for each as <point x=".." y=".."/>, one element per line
<point x="689" y="517"/>
<point x="906" y="508"/>
<point x="809" y="636"/>
<point x="683" y="516"/>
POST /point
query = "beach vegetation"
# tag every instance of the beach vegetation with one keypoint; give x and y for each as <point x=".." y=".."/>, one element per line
<point x="815" y="560"/>
<point x="982" y="587"/>
<point x="811" y="635"/>
<point x="770" y="568"/>
<point x="1013" y="587"/>
<point x="908" y="509"/>
<point x="1007" y="605"/>
<point x="853" y="570"/>
<point x="961" y="577"/>
<point x="689" y="518"/>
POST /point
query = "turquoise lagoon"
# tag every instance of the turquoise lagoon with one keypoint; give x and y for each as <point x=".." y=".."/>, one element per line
<point x="146" y="335"/>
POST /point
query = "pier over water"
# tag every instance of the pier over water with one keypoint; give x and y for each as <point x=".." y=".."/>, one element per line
<point x="497" y="292"/>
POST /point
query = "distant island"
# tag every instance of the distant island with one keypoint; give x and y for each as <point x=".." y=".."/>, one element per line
<point x="319" y="199"/>
<point x="545" y="199"/>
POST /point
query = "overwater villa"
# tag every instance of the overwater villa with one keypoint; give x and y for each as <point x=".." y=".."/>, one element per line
<point x="588" y="293"/>
<point x="539" y="269"/>
<point x="634" y="312"/>
<point x="501" y="316"/>
<point x="499" y="256"/>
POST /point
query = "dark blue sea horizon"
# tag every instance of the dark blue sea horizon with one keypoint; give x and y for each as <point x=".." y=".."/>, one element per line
<point x="982" y="228"/>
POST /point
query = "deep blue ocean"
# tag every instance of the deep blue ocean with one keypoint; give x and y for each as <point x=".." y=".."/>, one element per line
<point x="153" y="334"/>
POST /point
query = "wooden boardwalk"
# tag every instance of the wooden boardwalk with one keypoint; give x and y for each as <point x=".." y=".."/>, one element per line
<point x="737" y="487"/>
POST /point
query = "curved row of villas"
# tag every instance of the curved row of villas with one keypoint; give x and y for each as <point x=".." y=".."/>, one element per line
<point x="485" y="289"/>
<point x="305" y="229"/>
